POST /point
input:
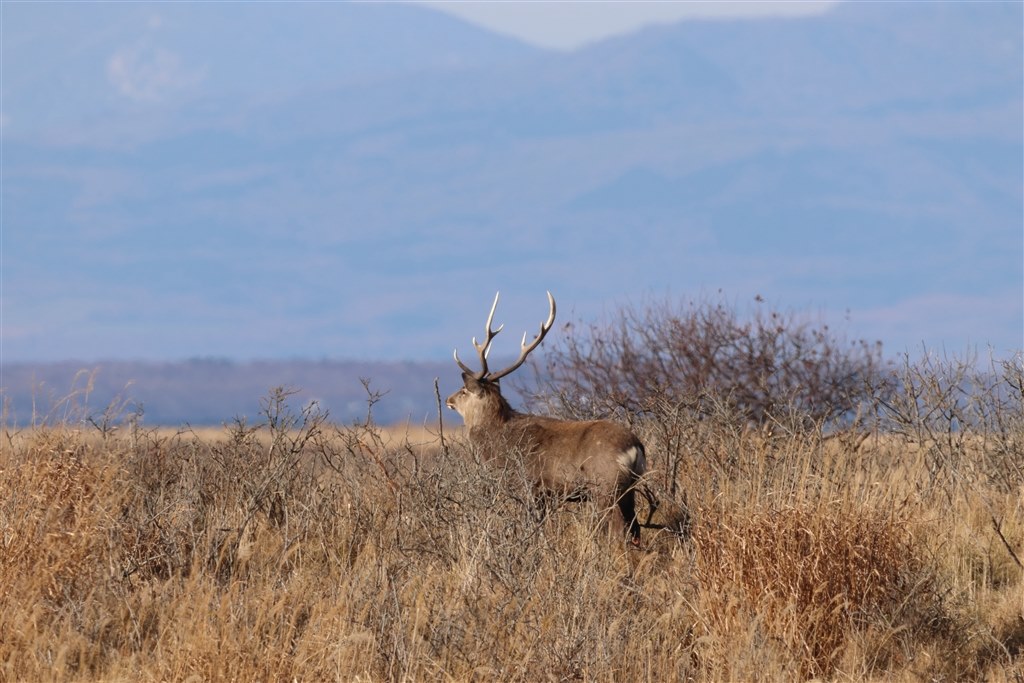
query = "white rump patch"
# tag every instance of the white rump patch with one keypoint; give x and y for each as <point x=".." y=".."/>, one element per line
<point x="627" y="458"/>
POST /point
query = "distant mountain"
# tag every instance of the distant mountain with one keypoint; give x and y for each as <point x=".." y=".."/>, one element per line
<point x="866" y="59"/>
<point x="68" y="64"/>
<point x="354" y="181"/>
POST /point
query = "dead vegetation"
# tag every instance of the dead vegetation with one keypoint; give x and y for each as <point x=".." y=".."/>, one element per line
<point x="298" y="549"/>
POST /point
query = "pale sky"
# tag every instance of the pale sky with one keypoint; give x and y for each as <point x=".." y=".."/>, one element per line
<point x="568" y="24"/>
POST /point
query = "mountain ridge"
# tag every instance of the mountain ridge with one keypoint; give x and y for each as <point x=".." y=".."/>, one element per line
<point x="377" y="217"/>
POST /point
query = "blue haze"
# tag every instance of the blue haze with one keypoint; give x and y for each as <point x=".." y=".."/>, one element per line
<point x="354" y="181"/>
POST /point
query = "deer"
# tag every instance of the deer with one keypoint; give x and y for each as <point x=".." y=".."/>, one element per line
<point x="597" y="460"/>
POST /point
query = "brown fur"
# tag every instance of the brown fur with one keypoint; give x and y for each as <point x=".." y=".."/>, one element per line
<point x="595" y="459"/>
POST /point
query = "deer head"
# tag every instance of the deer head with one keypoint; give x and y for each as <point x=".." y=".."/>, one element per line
<point x="480" y="399"/>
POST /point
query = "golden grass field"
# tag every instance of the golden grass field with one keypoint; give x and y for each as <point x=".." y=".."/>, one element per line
<point x="305" y="551"/>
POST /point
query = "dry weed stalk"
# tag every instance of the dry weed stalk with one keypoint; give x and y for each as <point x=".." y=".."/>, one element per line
<point x="294" y="548"/>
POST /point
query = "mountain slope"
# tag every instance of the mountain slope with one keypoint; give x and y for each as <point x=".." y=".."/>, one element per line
<point x="867" y="159"/>
<point x="65" y="63"/>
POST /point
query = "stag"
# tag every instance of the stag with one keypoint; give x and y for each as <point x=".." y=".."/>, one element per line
<point x="576" y="460"/>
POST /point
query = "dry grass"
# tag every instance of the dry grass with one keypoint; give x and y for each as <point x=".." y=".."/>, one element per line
<point x="300" y="550"/>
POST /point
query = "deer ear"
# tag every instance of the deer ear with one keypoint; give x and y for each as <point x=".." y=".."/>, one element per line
<point x="471" y="382"/>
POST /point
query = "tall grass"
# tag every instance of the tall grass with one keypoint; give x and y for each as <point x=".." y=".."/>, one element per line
<point x="297" y="549"/>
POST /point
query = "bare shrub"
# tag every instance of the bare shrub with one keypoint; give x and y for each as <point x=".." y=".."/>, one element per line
<point x="764" y="364"/>
<point x="957" y="408"/>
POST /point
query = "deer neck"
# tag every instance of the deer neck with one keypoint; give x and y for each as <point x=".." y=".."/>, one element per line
<point x="493" y="411"/>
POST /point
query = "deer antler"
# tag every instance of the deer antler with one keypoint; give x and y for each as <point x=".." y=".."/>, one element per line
<point x="524" y="348"/>
<point x="485" y="348"/>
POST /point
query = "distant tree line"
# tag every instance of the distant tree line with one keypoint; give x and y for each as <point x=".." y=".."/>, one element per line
<point x="214" y="391"/>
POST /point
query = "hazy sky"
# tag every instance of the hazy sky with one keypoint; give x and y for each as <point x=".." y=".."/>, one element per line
<point x="565" y="25"/>
<point x="334" y="182"/>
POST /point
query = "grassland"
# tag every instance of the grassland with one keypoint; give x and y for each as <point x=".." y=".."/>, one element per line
<point x="297" y="549"/>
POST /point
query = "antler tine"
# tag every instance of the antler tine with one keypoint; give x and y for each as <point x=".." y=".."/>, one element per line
<point x="490" y="319"/>
<point x="466" y="368"/>
<point x="485" y="348"/>
<point x="482" y="349"/>
<point x="524" y="348"/>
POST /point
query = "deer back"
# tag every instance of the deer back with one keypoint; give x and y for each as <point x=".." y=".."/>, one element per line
<point x="566" y="455"/>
